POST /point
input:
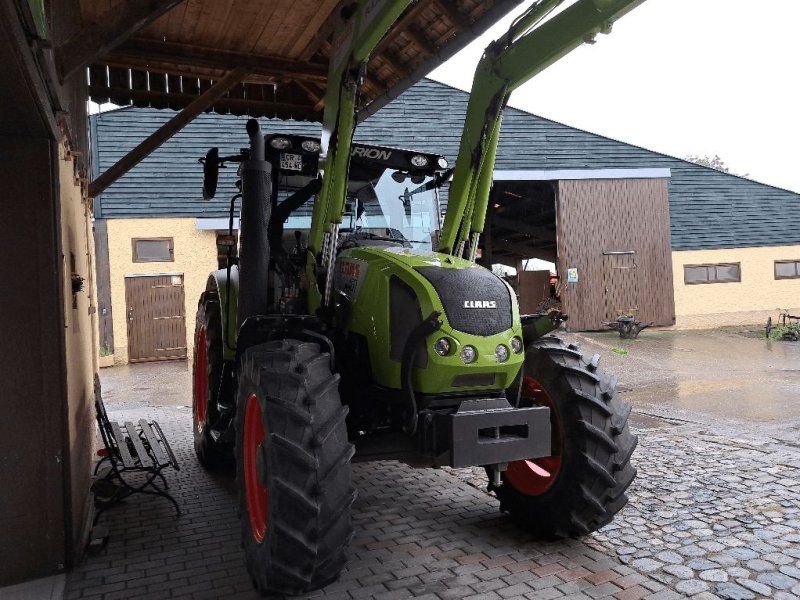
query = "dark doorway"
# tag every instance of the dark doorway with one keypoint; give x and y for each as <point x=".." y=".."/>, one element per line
<point x="521" y="222"/>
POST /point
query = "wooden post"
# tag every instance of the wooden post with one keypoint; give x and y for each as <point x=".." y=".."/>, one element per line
<point x="166" y="131"/>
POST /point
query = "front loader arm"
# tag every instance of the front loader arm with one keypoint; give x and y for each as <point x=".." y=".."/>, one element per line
<point x="362" y="27"/>
<point x="525" y="50"/>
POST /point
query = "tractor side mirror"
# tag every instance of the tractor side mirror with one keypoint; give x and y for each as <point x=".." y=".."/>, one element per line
<point x="210" y="173"/>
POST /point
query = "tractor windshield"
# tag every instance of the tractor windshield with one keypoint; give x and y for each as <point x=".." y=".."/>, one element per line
<point x="382" y="204"/>
<point x="392" y="194"/>
<point x="396" y="206"/>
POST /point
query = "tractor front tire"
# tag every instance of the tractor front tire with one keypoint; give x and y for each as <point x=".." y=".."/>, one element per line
<point x="292" y="468"/>
<point x="206" y="376"/>
<point x="582" y="485"/>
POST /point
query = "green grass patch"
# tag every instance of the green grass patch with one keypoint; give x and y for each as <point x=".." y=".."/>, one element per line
<point x="620" y="351"/>
<point x="757" y="331"/>
<point x="781" y="333"/>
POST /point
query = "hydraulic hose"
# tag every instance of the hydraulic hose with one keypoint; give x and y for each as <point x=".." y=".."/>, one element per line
<point x="417" y="335"/>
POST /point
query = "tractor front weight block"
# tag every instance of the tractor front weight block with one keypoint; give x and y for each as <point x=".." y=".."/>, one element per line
<point x="489" y="431"/>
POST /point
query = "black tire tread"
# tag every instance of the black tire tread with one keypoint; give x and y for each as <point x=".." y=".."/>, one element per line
<point x="332" y="424"/>
<point x="595" y="470"/>
<point x="209" y="316"/>
<point x="309" y="477"/>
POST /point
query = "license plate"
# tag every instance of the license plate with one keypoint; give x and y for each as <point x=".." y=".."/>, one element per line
<point x="292" y="162"/>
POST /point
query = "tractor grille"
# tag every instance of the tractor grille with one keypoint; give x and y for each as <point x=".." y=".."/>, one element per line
<point x="459" y="289"/>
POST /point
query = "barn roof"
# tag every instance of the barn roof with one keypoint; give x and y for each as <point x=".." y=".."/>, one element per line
<point x="283" y="44"/>
<point x="708" y="209"/>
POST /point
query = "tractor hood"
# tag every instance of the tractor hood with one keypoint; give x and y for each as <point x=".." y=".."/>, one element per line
<point x="389" y="291"/>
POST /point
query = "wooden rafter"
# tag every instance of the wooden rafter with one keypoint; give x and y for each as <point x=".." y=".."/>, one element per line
<point x="313" y="94"/>
<point x="319" y="40"/>
<point x="540" y="233"/>
<point x="458" y="20"/>
<point x="422" y="43"/>
<point x="205" y="39"/>
<point x="222" y="60"/>
<point x="114" y="27"/>
<point x="402" y="25"/>
<point x="166" y="131"/>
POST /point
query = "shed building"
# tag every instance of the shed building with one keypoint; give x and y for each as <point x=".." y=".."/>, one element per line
<point x="631" y="231"/>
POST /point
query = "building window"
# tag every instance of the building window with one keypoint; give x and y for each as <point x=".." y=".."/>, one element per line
<point x="719" y="273"/>
<point x="153" y="250"/>
<point x="787" y="269"/>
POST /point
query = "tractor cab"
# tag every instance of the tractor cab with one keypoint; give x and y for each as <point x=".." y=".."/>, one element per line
<point x="392" y="194"/>
<point x="392" y="201"/>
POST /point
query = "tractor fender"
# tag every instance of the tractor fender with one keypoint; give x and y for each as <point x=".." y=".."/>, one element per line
<point x="228" y="294"/>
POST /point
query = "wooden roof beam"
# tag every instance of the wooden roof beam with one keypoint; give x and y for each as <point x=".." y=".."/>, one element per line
<point x="458" y="20"/>
<point x="403" y="25"/>
<point x="223" y="60"/>
<point x="420" y="40"/>
<point x="322" y="36"/>
<point x="534" y="231"/>
<point x="166" y="131"/>
<point x="314" y="95"/>
<point x="115" y="26"/>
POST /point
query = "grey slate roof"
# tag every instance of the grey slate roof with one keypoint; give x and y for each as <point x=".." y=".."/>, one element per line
<point x="708" y="209"/>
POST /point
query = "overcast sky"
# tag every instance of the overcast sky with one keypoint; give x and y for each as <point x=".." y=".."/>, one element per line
<point x="680" y="77"/>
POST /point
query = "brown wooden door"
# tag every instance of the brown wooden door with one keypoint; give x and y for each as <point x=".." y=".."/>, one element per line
<point x="156" y="319"/>
<point x="620" y="285"/>
<point x="599" y="222"/>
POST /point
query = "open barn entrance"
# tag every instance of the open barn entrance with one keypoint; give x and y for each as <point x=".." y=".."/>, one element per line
<point x="604" y="234"/>
<point x="521" y="234"/>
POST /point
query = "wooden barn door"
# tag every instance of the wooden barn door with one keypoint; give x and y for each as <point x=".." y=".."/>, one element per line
<point x="620" y="284"/>
<point x="614" y="235"/>
<point x="156" y="320"/>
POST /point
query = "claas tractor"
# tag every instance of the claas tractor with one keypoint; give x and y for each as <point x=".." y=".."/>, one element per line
<point x="350" y="322"/>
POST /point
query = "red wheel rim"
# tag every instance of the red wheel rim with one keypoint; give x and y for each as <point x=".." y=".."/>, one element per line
<point x="535" y="477"/>
<point x="200" y="379"/>
<point x="255" y="491"/>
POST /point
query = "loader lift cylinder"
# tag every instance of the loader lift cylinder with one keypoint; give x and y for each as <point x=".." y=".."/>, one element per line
<point x="253" y="221"/>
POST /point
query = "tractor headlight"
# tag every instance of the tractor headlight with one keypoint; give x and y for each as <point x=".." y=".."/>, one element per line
<point x="280" y="143"/>
<point x="442" y="162"/>
<point x="310" y="145"/>
<point x="419" y="161"/>
<point x="469" y="354"/>
<point x="501" y="353"/>
<point x="516" y="345"/>
<point x="442" y="346"/>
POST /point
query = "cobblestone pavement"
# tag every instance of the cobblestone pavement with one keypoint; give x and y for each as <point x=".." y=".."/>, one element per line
<point x="714" y="513"/>
<point x="711" y="514"/>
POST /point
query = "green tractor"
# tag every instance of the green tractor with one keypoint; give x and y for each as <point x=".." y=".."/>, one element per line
<point x="358" y="326"/>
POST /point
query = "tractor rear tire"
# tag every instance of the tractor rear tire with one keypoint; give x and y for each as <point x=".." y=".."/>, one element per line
<point x="589" y="470"/>
<point x="292" y="468"/>
<point x="206" y="375"/>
